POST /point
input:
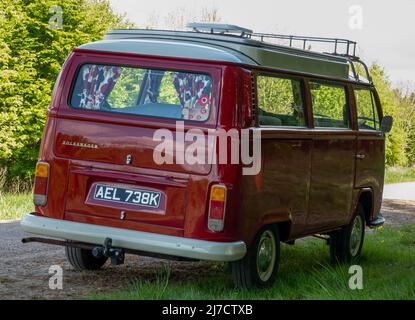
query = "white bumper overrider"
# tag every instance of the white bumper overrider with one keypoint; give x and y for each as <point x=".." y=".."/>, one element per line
<point x="134" y="240"/>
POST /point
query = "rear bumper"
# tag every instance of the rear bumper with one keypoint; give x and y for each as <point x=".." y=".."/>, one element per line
<point x="134" y="240"/>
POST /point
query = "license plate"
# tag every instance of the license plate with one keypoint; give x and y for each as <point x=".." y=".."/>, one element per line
<point x="132" y="196"/>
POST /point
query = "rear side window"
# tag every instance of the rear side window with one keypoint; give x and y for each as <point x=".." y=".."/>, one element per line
<point x="280" y="102"/>
<point x="367" y="114"/>
<point x="330" y="107"/>
<point x="145" y="92"/>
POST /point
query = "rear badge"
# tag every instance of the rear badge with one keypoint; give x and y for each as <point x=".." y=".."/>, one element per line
<point x="128" y="159"/>
<point x="122" y="215"/>
<point x="80" y="144"/>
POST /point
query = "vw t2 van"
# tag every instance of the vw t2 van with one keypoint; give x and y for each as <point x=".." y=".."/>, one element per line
<point x="315" y="121"/>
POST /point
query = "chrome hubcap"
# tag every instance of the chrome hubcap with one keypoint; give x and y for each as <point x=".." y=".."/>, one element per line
<point x="266" y="255"/>
<point x="356" y="235"/>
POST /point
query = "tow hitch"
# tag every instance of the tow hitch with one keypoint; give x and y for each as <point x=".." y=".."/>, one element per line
<point x="116" y="255"/>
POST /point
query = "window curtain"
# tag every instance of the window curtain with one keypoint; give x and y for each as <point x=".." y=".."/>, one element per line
<point x="153" y="85"/>
<point x="194" y="92"/>
<point x="98" y="82"/>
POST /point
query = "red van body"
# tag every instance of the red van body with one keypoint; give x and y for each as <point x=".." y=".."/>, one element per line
<point x="312" y="180"/>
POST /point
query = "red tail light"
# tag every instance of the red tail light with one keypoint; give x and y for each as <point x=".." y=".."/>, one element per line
<point x="217" y="208"/>
<point x="40" y="196"/>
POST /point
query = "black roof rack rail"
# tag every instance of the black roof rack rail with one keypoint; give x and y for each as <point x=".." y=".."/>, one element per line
<point x="357" y="60"/>
<point x="342" y="47"/>
<point x="229" y="29"/>
<point x="349" y="46"/>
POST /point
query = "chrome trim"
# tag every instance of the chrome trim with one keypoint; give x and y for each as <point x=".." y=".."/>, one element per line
<point x="266" y="255"/>
<point x="134" y="240"/>
<point x="80" y="144"/>
<point x="356" y="236"/>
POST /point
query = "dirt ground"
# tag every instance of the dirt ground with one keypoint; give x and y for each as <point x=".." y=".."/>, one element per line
<point x="24" y="267"/>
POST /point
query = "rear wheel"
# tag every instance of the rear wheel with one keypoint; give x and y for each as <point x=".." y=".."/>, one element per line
<point x="260" y="265"/>
<point x="82" y="259"/>
<point x="346" y="244"/>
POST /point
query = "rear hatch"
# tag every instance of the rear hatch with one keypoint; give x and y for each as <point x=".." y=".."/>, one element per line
<point x="107" y="129"/>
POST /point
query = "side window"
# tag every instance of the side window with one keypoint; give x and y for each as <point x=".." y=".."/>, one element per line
<point x="280" y="102"/>
<point x="330" y="107"/>
<point x="367" y="114"/>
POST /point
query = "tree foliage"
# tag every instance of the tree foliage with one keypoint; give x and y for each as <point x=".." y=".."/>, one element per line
<point x="31" y="55"/>
<point x="400" y="141"/>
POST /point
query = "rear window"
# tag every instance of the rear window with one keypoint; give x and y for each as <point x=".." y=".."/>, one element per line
<point x="144" y="92"/>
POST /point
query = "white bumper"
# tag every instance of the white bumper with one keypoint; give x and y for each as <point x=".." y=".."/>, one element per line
<point x="134" y="240"/>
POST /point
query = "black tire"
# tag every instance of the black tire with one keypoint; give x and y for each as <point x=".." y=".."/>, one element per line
<point x="346" y="244"/>
<point x="82" y="259"/>
<point x="248" y="273"/>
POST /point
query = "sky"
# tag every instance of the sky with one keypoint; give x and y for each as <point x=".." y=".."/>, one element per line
<point x="384" y="30"/>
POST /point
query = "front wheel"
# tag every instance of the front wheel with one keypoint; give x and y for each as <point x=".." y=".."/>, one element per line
<point x="260" y="265"/>
<point x="346" y="244"/>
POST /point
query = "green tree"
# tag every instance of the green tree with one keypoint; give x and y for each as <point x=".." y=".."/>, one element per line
<point x="406" y="113"/>
<point x="397" y="140"/>
<point x="31" y="55"/>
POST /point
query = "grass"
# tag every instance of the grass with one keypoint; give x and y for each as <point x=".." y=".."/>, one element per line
<point x="13" y="206"/>
<point x="396" y="175"/>
<point x="388" y="263"/>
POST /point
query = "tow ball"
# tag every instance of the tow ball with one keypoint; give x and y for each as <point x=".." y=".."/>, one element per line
<point x="116" y="255"/>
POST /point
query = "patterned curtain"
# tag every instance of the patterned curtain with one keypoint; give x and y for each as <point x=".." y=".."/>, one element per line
<point x="153" y="78"/>
<point x="98" y="82"/>
<point x="195" y="94"/>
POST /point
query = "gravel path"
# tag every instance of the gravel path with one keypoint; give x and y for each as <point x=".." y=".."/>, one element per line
<point x="24" y="270"/>
<point x="24" y="267"/>
<point x="400" y="191"/>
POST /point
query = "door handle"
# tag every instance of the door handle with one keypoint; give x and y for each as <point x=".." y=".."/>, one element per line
<point x="360" y="156"/>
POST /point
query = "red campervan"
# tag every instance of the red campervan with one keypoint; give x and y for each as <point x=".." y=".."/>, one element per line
<point x="100" y="188"/>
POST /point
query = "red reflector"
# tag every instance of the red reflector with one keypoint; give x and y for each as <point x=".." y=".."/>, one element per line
<point x="41" y="185"/>
<point x="217" y="209"/>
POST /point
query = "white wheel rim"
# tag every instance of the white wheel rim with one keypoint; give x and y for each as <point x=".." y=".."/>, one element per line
<point x="356" y="235"/>
<point x="266" y="255"/>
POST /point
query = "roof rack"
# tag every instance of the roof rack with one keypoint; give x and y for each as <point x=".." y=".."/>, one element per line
<point x="340" y="47"/>
<point x="219" y="28"/>
<point x="350" y="46"/>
